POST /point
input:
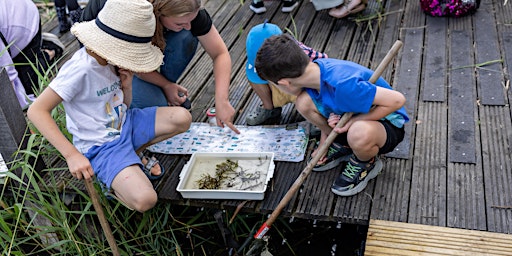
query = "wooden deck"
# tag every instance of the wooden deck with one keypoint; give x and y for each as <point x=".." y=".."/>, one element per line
<point x="454" y="168"/>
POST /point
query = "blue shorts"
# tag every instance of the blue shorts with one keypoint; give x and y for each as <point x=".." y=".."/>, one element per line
<point x="112" y="157"/>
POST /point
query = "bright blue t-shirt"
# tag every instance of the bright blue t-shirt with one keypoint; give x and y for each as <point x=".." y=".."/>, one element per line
<point x="344" y="87"/>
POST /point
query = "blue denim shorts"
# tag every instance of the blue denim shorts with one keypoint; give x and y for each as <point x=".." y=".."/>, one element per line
<point x="112" y="157"/>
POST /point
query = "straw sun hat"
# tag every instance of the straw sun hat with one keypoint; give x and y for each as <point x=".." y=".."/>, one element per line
<point x="122" y="34"/>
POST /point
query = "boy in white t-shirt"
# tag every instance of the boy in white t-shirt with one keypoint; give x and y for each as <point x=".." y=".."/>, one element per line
<point x="95" y="87"/>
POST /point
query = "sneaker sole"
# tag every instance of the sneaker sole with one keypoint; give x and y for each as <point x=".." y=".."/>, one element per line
<point x="332" y="164"/>
<point x="289" y="9"/>
<point x="45" y="36"/>
<point x="258" y="10"/>
<point x="361" y="186"/>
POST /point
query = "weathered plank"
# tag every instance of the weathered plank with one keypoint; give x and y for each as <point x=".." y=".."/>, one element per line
<point x="435" y="63"/>
<point x="461" y="93"/>
<point x="497" y="163"/>
<point x="489" y="77"/>
<point x="428" y="185"/>
<point x="12" y="120"/>
<point x="395" y="238"/>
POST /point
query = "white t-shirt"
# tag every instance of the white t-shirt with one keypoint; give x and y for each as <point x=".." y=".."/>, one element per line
<point x="93" y="100"/>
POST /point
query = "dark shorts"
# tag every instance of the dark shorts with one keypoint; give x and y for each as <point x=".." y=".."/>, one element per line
<point x="394" y="136"/>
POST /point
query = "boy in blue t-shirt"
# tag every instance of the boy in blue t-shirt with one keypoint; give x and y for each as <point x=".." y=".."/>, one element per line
<point x="325" y="90"/>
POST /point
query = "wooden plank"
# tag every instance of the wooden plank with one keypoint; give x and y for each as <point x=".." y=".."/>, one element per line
<point x="415" y="239"/>
<point x="435" y="63"/>
<point x="388" y="34"/>
<point x="490" y="77"/>
<point x="392" y="186"/>
<point x="428" y="184"/>
<point x="408" y="72"/>
<point x="497" y="165"/>
<point x="12" y="119"/>
<point x="461" y="94"/>
<point x="391" y="197"/>
<point x="408" y="76"/>
<point x="465" y="197"/>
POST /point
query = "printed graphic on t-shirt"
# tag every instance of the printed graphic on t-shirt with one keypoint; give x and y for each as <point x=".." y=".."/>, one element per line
<point x="114" y="107"/>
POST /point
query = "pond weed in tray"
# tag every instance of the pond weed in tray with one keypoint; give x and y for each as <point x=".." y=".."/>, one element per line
<point x="246" y="180"/>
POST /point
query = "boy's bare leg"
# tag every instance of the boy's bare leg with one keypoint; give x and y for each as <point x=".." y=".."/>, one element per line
<point x="169" y="122"/>
<point x="134" y="189"/>
<point x="264" y="93"/>
<point x="308" y="110"/>
<point x="366" y="138"/>
<point x="131" y="185"/>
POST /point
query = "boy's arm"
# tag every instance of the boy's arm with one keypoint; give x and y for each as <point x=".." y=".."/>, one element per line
<point x="386" y="101"/>
<point x="126" y="77"/>
<point x="39" y="114"/>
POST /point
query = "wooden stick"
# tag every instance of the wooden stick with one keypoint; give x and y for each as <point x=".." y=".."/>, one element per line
<point x="322" y="149"/>
<point x="101" y="216"/>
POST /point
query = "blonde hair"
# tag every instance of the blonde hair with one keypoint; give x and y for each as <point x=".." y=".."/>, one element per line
<point x="170" y="8"/>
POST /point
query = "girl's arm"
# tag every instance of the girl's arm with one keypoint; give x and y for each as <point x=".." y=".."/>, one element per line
<point x="216" y="48"/>
<point x="171" y="90"/>
<point x="40" y="115"/>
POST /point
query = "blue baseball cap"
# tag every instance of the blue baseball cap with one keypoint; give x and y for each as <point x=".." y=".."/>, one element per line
<point x="255" y="39"/>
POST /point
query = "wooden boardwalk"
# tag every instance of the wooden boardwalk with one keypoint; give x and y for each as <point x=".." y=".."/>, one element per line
<point x="454" y="168"/>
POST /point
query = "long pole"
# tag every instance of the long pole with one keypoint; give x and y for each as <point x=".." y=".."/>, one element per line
<point x="101" y="216"/>
<point x="323" y="148"/>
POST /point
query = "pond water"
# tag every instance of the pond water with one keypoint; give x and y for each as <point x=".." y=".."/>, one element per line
<point x="319" y="238"/>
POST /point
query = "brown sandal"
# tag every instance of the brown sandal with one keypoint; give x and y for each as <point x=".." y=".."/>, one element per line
<point x="343" y="11"/>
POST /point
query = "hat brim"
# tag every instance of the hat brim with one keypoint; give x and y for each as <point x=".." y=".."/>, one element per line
<point x="251" y="74"/>
<point x="136" y="57"/>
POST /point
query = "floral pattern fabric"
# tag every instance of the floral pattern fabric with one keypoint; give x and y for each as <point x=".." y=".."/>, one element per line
<point x="451" y="8"/>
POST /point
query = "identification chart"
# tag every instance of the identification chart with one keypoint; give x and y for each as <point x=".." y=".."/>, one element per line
<point x="288" y="142"/>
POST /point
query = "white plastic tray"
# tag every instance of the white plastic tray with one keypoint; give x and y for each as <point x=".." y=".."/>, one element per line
<point x="202" y="162"/>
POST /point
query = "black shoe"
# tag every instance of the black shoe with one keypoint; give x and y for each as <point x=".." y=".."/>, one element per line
<point x="355" y="176"/>
<point x="52" y="42"/>
<point x="336" y="154"/>
<point x="289" y="6"/>
<point x="258" y="7"/>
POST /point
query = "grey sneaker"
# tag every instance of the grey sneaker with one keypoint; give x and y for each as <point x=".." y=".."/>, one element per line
<point x="264" y="116"/>
<point x="289" y="5"/>
<point x="258" y="7"/>
<point x="355" y="176"/>
<point x="52" y="42"/>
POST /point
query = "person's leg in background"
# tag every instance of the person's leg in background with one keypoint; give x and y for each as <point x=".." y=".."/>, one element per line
<point x="75" y="12"/>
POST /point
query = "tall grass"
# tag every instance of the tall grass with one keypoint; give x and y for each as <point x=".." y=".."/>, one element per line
<point x="45" y="211"/>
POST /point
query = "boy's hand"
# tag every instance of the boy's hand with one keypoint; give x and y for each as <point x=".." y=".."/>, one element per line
<point x="126" y="77"/>
<point x="79" y="166"/>
<point x="333" y="121"/>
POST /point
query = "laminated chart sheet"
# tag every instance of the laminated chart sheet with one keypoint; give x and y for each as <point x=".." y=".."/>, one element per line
<point x="288" y="142"/>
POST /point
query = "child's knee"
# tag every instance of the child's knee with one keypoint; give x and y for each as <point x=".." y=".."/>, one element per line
<point x="144" y="200"/>
<point x="183" y="119"/>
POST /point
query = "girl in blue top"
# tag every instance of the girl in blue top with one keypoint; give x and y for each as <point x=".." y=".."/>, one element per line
<point x="325" y="90"/>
